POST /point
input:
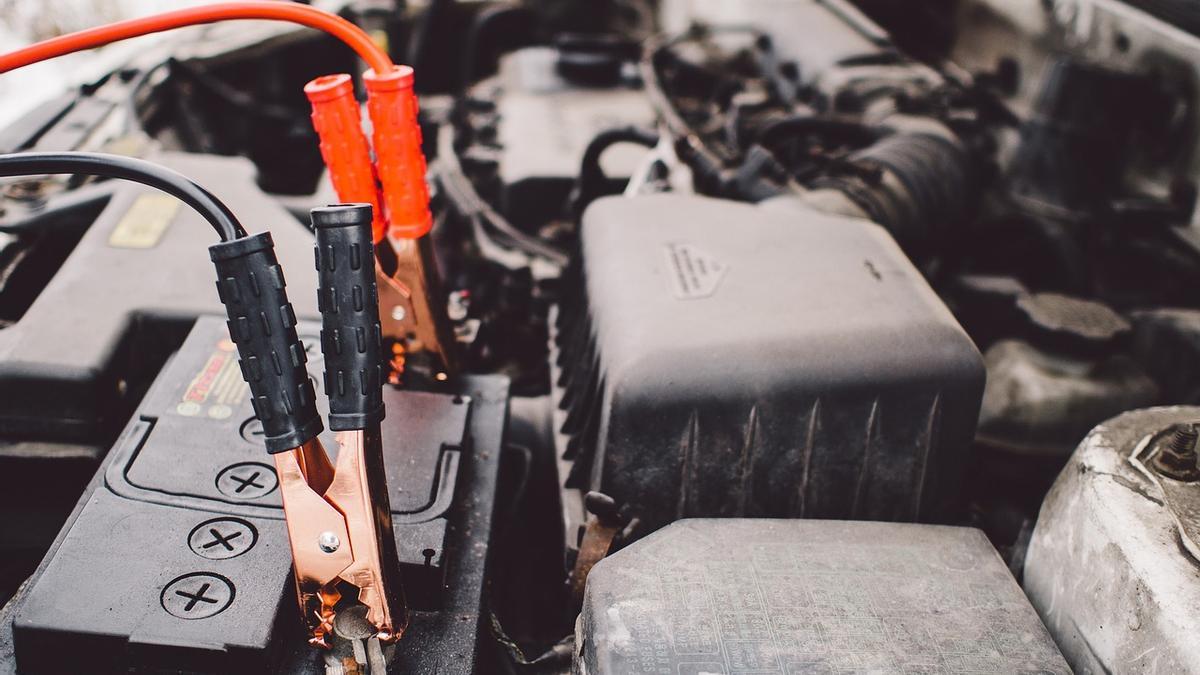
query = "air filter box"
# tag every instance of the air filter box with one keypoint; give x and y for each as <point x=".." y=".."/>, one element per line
<point x="796" y="596"/>
<point x="724" y="359"/>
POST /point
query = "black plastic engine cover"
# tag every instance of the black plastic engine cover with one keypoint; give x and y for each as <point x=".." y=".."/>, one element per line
<point x="727" y="360"/>
<point x="75" y="364"/>
<point x="543" y="123"/>
<point x="125" y="296"/>
<point x="177" y="556"/>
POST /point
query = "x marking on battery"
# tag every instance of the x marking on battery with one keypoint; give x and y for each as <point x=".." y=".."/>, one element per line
<point x="219" y="539"/>
<point x="198" y="596"/>
<point x="243" y="483"/>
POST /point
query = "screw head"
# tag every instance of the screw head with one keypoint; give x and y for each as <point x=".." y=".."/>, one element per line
<point x="328" y="542"/>
<point x="1177" y="457"/>
<point x="398" y="313"/>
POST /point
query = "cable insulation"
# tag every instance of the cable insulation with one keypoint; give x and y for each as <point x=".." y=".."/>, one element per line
<point x="270" y="10"/>
<point x="137" y="170"/>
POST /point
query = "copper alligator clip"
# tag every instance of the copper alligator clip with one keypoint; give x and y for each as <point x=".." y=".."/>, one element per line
<point x="340" y="532"/>
<point x="412" y="315"/>
<point x="338" y="517"/>
<point x="414" y="311"/>
<point x="413" y="305"/>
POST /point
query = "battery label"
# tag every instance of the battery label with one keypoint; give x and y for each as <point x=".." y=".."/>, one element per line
<point x="217" y="389"/>
<point x="144" y="223"/>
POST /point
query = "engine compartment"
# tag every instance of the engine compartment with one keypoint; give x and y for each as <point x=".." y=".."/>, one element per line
<point x="704" y="270"/>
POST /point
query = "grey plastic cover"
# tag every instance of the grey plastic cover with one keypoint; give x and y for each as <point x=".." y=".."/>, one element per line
<point x="804" y="596"/>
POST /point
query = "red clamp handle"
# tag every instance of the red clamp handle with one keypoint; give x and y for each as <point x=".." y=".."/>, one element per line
<point x="399" y="162"/>
<point x="344" y="147"/>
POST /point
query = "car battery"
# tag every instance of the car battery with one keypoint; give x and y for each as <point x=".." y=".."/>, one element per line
<point x="139" y="275"/>
<point x="177" y="557"/>
<point x="807" y="596"/>
<point x="76" y="358"/>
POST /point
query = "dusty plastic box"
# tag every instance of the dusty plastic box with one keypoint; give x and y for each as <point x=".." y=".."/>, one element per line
<point x="725" y="359"/>
<point x="801" y="596"/>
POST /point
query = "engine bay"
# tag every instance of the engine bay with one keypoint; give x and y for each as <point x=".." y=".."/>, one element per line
<point x="663" y="336"/>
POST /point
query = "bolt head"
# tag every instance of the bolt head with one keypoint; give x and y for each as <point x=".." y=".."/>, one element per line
<point x="328" y="542"/>
<point x="1176" y="457"/>
<point x="398" y="313"/>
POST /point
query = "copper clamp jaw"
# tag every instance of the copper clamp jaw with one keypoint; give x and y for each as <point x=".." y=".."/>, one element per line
<point x="340" y="529"/>
<point x="389" y="173"/>
<point x="414" y="320"/>
<point x="338" y="516"/>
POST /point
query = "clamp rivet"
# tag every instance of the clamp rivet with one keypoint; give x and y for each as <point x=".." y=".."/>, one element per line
<point x="328" y="542"/>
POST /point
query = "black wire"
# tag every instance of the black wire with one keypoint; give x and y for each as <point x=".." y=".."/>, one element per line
<point x="590" y="171"/>
<point x="464" y="199"/>
<point x="655" y="92"/>
<point x="137" y="170"/>
<point x="657" y="48"/>
<point x="592" y="180"/>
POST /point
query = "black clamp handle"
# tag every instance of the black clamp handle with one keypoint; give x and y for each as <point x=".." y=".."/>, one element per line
<point x="262" y="324"/>
<point x="351" y="336"/>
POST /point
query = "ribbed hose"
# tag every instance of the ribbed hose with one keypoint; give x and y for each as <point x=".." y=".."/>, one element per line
<point x="923" y="184"/>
